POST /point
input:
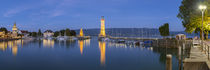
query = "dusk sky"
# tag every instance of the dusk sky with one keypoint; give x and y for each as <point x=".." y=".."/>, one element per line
<point x="75" y="14"/>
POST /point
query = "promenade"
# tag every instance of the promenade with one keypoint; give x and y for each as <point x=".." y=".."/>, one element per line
<point x="198" y="59"/>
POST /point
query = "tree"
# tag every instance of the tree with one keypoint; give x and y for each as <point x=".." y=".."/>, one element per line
<point x="206" y="34"/>
<point x="68" y="32"/>
<point x="73" y="33"/>
<point x="4" y="29"/>
<point x="39" y="33"/>
<point x="62" y="32"/>
<point x="33" y="34"/>
<point x="191" y="16"/>
<point x="164" y="30"/>
<point x="56" y="33"/>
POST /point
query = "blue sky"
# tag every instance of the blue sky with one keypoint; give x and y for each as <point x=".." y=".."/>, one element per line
<point x="74" y="14"/>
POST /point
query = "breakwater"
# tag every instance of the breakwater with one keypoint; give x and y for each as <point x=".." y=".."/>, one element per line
<point x="171" y="43"/>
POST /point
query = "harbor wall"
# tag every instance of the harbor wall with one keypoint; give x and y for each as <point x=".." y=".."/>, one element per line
<point x="169" y="43"/>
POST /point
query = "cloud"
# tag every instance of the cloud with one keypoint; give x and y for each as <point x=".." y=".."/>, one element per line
<point x="57" y="13"/>
<point x="166" y="17"/>
<point x="51" y="2"/>
<point x="60" y="8"/>
<point x="12" y="12"/>
<point x="19" y="9"/>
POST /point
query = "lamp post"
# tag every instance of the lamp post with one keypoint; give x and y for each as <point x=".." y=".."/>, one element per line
<point x="202" y="8"/>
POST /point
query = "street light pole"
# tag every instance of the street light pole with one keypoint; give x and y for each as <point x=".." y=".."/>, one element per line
<point x="202" y="8"/>
<point x="202" y="27"/>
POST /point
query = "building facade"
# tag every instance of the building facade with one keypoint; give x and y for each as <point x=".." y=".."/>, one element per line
<point x="181" y="37"/>
<point x="48" y="33"/>
<point x="2" y="34"/>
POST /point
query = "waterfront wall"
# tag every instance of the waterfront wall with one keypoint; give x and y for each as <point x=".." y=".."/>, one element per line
<point x="8" y="39"/>
<point x="168" y="43"/>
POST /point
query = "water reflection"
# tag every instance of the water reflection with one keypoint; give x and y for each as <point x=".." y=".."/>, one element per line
<point x="87" y="42"/>
<point x="14" y="48"/>
<point x="3" y="46"/>
<point x="164" y="51"/>
<point x="117" y="44"/>
<point x="81" y="44"/>
<point x="13" y="45"/>
<point x="48" y="43"/>
<point x="102" y="46"/>
<point x="124" y="45"/>
<point x="110" y="55"/>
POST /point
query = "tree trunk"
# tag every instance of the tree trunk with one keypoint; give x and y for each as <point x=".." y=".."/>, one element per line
<point x="206" y="35"/>
<point x="201" y="35"/>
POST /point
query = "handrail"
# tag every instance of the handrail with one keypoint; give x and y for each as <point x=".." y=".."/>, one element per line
<point x="205" y="48"/>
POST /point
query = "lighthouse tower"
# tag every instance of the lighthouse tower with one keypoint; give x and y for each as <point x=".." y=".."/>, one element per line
<point x="102" y="32"/>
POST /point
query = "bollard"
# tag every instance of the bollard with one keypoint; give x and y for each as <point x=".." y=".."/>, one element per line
<point x="168" y="62"/>
<point x="183" y="48"/>
<point x="180" y="51"/>
<point x="208" y="52"/>
<point x="180" y="57"/>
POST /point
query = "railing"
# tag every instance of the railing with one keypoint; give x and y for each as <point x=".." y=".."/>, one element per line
<point x="196" y="42"/>
<point x="205" y="48"/>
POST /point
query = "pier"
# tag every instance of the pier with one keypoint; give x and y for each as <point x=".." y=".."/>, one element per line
<point x="132" y="38"/>
<point x="155" y="42"/>
<point x="199" y="58"/>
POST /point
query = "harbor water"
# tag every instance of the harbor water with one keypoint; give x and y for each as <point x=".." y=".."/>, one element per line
<point x="88" y="54"/>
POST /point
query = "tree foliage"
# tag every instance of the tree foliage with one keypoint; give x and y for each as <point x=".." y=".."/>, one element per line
<point x="4" y="29"/>
<point x="40" y="33"/>
<point x="33" y="34"/>
<point x="73" y="33"/>
<point x="191" y="15"/>
<point x="56" y="33"/>
<point x="164" y="30"/>
<point x="66" y="32"/>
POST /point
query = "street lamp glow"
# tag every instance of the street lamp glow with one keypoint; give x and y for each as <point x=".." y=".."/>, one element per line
<point x="202" y="7"/>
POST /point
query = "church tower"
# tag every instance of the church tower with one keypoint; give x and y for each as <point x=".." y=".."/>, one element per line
<point x="102" y="32"/>
<point x="14" y="30"/>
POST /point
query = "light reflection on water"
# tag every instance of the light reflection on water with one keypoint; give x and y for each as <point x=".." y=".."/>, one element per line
<point x="81" y="44"/>
<point x="82" y="54"/>
<point x="102" y="46"/>
<point x="12" y="45"/>
<point x="48" y="43"/>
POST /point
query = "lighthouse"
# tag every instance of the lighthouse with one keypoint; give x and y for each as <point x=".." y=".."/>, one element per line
<point x="102" y="32"/>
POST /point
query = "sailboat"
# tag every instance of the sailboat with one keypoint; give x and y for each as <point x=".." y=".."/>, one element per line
<point x="65" y="36"/>
<point x="60" y="38"/>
